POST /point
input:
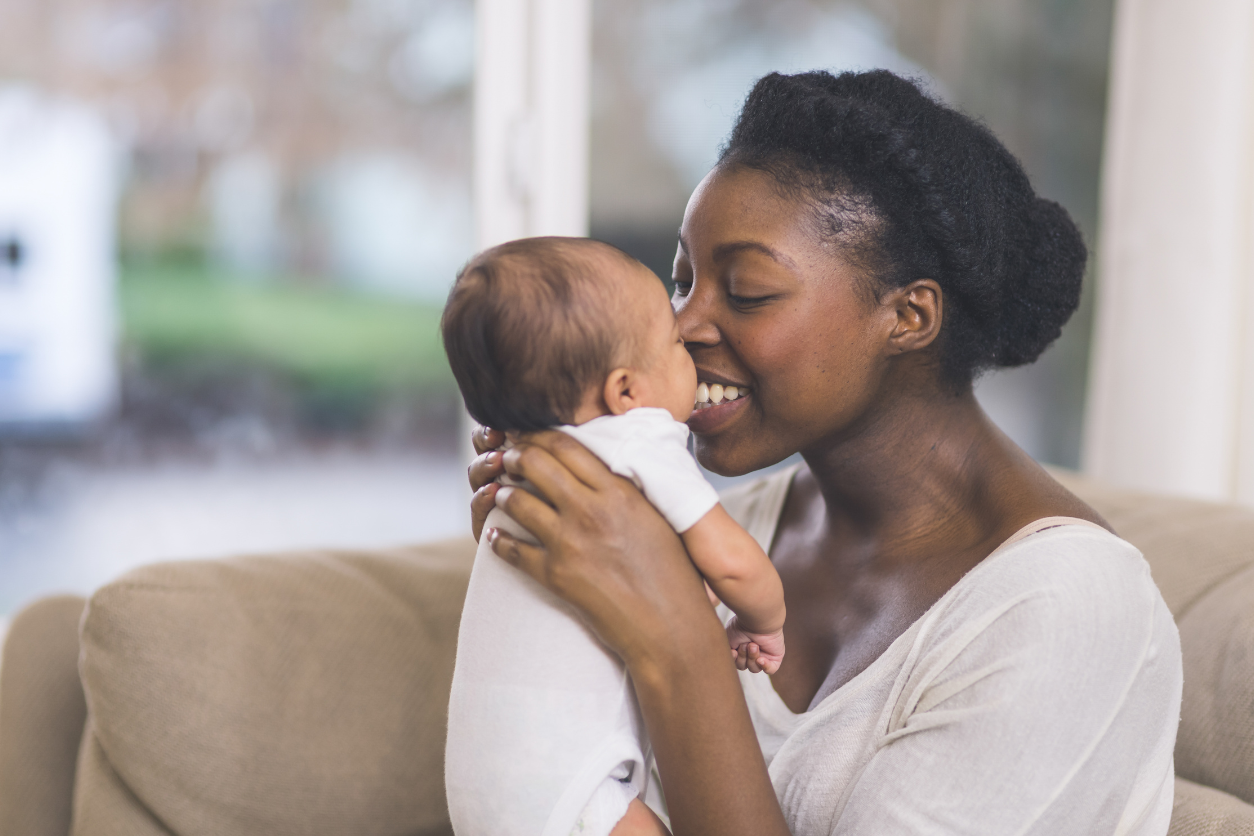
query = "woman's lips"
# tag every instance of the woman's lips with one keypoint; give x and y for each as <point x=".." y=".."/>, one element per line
<point x="713" y="416"/>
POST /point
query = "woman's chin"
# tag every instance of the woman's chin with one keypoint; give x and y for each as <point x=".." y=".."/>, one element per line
<point x="729" y="455"/>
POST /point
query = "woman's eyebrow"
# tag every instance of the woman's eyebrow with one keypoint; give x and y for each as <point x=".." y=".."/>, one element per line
<point x="722" y="251"/>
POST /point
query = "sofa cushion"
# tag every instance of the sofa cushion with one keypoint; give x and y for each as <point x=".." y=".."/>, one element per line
<point x="303" y="693"/>
<point x="1202" y="811"/>
<point x="1216" y="741"/>
<point x="103" y="804"/>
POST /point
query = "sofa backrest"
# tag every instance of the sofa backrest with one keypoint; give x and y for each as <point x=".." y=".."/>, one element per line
<point x="292" y="694"/>
<point x="306" y="693"/>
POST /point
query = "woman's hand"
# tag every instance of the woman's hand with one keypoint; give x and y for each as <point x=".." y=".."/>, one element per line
<point x="482" y="471"/>
<point x="604" y="549"/>
<point x="607" y="551"/>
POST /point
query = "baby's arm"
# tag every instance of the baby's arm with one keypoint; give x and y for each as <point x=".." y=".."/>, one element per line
<point x="741" y="575"/>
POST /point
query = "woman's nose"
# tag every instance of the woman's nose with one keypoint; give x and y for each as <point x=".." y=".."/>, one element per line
<point x="694" y="314"/>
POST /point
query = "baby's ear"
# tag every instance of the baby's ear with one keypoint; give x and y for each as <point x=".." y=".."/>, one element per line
<point x="620" y="391"/>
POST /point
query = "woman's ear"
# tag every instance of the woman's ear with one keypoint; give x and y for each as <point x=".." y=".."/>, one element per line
<point x="918" y="309"/>
<point x="621" y="391"/>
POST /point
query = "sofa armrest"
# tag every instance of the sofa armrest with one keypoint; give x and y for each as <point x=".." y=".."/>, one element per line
<point x="42" y="715"/>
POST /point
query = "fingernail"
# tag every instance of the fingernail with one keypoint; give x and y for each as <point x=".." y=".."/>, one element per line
<point x="495" y="457"/>
<point x="492" y="535"/>
<point x="502" y="495"/>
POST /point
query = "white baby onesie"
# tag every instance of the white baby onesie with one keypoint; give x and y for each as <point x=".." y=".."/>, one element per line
<point x="544" y="733"/>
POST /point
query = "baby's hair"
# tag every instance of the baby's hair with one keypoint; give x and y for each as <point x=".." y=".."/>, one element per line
<point x="530" y="326"/>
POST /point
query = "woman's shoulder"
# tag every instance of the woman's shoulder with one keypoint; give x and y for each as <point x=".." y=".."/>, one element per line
<point x="1071" y="584"/>
<point x="1081" y="558"/>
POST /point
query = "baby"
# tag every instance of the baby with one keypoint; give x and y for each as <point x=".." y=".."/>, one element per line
<point x="575" y="334"/>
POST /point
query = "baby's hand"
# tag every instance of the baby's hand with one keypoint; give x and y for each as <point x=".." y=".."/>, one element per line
<point x="755" y="652"/>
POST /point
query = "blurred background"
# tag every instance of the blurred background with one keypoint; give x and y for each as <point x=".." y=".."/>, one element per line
<point x="227" y="228"/>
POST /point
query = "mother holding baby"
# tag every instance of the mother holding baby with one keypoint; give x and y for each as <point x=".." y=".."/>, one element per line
<point x="970" y="649"/>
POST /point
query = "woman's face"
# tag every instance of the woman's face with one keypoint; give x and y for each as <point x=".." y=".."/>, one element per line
<point x="765" y="304"/>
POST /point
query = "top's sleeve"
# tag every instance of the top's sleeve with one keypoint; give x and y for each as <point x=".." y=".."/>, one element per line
<point x="1052" y="705"/>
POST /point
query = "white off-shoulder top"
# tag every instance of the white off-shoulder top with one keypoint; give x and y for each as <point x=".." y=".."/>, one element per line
<point x="1039" y="695"/>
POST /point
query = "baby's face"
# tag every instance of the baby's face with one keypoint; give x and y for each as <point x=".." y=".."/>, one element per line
<point x="666" y="369"/>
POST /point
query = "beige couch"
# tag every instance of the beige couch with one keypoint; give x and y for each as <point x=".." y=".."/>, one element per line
<point x="305" y="693"/>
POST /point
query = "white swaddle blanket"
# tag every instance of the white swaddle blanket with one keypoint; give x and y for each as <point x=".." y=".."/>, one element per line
<point x="544" y="732"/>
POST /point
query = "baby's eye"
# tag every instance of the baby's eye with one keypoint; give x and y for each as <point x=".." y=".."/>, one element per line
<point x="683" y="288"/>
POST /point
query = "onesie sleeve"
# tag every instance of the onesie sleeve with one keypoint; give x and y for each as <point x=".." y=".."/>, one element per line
<point x="669" y="477"/>
<point x="649" y="447"/>
<point x="1051" y="702"/>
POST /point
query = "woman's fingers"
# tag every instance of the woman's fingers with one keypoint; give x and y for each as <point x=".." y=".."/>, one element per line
<point x="481" y="504"/>
<point x="576" y="458"/>
<point x="485" y="468"/>
<point x="485" y="439"/>
<point x="551" y="477"/>
<point x="515" y="552"/>
<point x="529" y="512"/>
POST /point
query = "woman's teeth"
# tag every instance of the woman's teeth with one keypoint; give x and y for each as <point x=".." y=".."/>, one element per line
<point x="709" y="394"/>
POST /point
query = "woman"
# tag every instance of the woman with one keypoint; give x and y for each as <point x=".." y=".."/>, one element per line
<point x="969" y="649"/>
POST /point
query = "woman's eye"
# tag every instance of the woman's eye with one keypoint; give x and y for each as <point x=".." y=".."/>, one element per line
<point x="749" y="301"/>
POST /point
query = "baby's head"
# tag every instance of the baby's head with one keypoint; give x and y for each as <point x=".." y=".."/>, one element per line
<point x="546" y="331"/>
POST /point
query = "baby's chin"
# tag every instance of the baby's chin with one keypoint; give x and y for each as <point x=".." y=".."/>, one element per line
<point x="681" y="415"/>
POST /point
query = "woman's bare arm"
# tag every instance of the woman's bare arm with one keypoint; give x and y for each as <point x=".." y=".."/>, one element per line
<point x="611" y="555"/>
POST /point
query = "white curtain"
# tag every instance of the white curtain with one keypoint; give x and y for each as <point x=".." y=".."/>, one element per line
<point x="1171" y="393"/>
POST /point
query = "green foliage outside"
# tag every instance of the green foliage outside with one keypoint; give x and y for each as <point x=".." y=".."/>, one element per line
<point x="187" y="316"/>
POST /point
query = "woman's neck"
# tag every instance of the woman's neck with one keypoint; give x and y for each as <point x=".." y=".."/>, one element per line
<point x="921" y="471"/>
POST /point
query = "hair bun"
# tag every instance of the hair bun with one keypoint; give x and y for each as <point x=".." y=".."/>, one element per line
<point x="1041" y="282"/>
<point x="953" y="205"/>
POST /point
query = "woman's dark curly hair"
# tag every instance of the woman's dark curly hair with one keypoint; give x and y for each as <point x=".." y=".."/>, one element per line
<point x="913" y="189"/>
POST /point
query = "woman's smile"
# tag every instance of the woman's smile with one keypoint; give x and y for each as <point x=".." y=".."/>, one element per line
<point x="709" y="416"/>
<point x="718" y="400"/>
